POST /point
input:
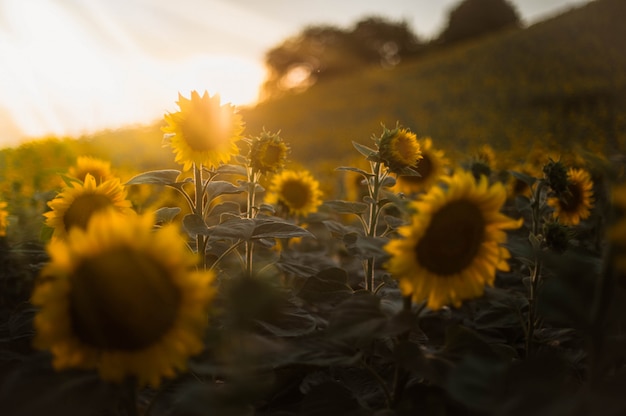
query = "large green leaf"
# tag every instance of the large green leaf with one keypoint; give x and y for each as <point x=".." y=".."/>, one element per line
<point x="270" y="228"/>
<point x="195" y="225"/>
<point x="217" y="188"/>
<point x="329" y="286"/>
<point x="166" y="214"/>
<point x="235" y="228"/>
<point x="346" y="207"/>
<point x="155" y="177"/>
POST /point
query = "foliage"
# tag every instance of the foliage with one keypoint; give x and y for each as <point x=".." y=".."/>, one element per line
<point x="474" y="18"/>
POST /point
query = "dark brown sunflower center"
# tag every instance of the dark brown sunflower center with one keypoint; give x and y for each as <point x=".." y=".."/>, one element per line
<point x="122" y="300"/>
<point x="452" y="239"/>
<point x="82" y="208"/>
<point x="295" y="194"/>
<point x="204" y="132"/>
<point x="572" y="200"/>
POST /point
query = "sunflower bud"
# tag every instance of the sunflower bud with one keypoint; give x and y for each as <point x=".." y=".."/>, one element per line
<point x="556" y="176"/>
<point x="399" y="149"/>
<point x="268" y="152"/>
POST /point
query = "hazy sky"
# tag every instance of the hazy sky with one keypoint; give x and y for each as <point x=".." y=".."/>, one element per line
<point x="70" y="67"/>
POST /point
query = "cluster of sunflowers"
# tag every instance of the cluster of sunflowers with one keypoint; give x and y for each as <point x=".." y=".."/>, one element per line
<point x="132" y="294"/>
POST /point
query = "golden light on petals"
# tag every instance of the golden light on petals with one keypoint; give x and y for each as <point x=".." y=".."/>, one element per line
<point x="76" y="204"/>
<point x="99" y="169"/>
<point x="204" y="132"/>
<point x="430" y="167"/>
<point x="122" y="299"/>
<point x="297" y="191"/>
<point x="575" y="204"/>
<point x="399" y="149"/>
<point x="452" y="248"/>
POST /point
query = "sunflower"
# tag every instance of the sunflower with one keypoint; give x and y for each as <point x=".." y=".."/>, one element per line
<point x="122" y="299"/>
<point x="99" y="169"/>
<point x="399" y="149"/>
<point x="76" y="204"/>
<point x="4" y="215"/>
<point x="575" y="202"/>
<point x="452" y="248"/>
<point x="268" y="153"/>
<point x="203" y="132"/>
<point x="297" y="191"/>
<point x="431" y="167"/>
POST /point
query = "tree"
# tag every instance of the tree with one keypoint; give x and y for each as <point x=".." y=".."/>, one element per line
<point x="322" y="52"/>
<point x="473" y="18"/>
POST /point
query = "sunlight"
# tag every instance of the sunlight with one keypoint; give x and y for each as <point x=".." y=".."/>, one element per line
<point x="76" y="71"/>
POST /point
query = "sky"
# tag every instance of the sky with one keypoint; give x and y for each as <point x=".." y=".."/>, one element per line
<point x="74" y="67"/>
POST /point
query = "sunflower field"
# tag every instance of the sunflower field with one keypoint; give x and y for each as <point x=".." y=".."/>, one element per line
<point x="235" y="283"/>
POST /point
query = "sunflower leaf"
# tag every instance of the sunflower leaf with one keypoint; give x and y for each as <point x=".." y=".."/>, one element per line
<point x="217" y="188"/>
<point x="229" y="169"/>
<point x="155" y="177"/>
<point x="527" y="179"/>
<point x="346" y="207"/>
<point x="364" y="150"/>
<point x="235" y="228"/>
<point x="195" y="225"/>
<point x="357" y="170"/>
<point x="266" y="228"/>
<point x="166" y="214"/>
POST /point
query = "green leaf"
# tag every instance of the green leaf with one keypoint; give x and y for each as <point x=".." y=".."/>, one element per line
<point x="155" y="177"/>
<point x="229" y="169"/>
<point x="269" y="228"/>
<point x="357" y="170"/>
<point x="527" y="179"/>
<point x="346" y="207"/>
<point x="235" y="228"/>
<point x="364" y="150"/>
<point x="226" y="207"/>
<point x="195" y="225"/>
<point x="289" y="321"/>
<point x="166" y="214"/>
<point x="217" y="188"/>
<point x="329" y="285"/>
<point x="358" y="318"/>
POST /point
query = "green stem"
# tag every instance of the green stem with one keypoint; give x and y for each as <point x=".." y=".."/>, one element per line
<point x="372" y="223"/>
<point x="198" y="209"/>
<point x="253" y="177"/>
<point x="381" y="383"/>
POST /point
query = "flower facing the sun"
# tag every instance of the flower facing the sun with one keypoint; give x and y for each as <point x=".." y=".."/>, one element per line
<point x="574" y="204"/>
<point x="452" y="248"/>
<point x="77" y="203"/>
<point x="297" y="191"/>
<point x="123" y="299"/>
<point x="99" y="169"/>
<point x="431" y="167"/>
<point x="203" y="132"/>
<point x="399" y="149"/>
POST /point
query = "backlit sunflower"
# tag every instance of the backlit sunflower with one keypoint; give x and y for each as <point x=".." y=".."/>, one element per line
<point x="4" y="215"/>
<point x="297" y="191"/>
<point x="123" y="299"/>
<point x="399" y="149"/>
<point x="203" y="131"/>
<point x="431" y="167"/>
<point x="77" y="203"/>
<point x="574" y="203"/>
<point x="268" y="153"/>
<point x="452" y="248"/>
<point x="99" y="169"/>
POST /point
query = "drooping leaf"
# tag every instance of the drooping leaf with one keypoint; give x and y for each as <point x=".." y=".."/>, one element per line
<point x="358" y="318"/>
<point x="357" y="170"/>
<point x="155" y="177"/>
<point x="527" y="179"/>
<point x="166" y="214"/>
<point x="228" y="169"/>
<point x="269" y="228"/>
<point x="235" y="228"/>
<point x="217" y="188"/>
<point x="195" y="225"/>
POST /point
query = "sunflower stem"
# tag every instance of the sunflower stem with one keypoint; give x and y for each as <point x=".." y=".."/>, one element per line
<point x="253" y="178"/>
<point x="198" y="209"/>
<point x="371" y="224"/>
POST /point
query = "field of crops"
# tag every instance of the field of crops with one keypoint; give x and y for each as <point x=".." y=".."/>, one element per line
<point x="447" y="237"/>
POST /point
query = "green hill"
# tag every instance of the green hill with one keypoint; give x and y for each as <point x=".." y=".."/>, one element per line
<point x="560" y="82"/>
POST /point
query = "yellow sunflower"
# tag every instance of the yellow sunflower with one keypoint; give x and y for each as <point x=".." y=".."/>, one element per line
<point x="452" y="248"/>
<point x="99" y="169"/>
<point x="575" y="203"/>
<point x="204" y="132"/>
<point x="123" y="299"/>
<point x="399" y="149"/>
<point x="4" y="215"/>
<point x="431" y="167"/>
<point x="297" y="191"/>
<point x="76" y="204"/>
<point x="268" y="153"/>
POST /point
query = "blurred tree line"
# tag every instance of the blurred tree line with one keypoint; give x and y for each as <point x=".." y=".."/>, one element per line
<point x="322" y="52"/>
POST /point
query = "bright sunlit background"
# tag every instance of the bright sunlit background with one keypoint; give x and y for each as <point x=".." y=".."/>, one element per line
<point x="71" y="67"/>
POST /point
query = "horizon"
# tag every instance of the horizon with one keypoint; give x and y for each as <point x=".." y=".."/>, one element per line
<point x="75" y="70"/>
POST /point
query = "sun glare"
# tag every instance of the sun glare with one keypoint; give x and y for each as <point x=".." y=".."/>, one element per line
<point x="73" y="72"/>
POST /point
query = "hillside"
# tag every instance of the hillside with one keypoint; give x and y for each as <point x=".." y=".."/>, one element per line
<point x="559" y="82"/>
